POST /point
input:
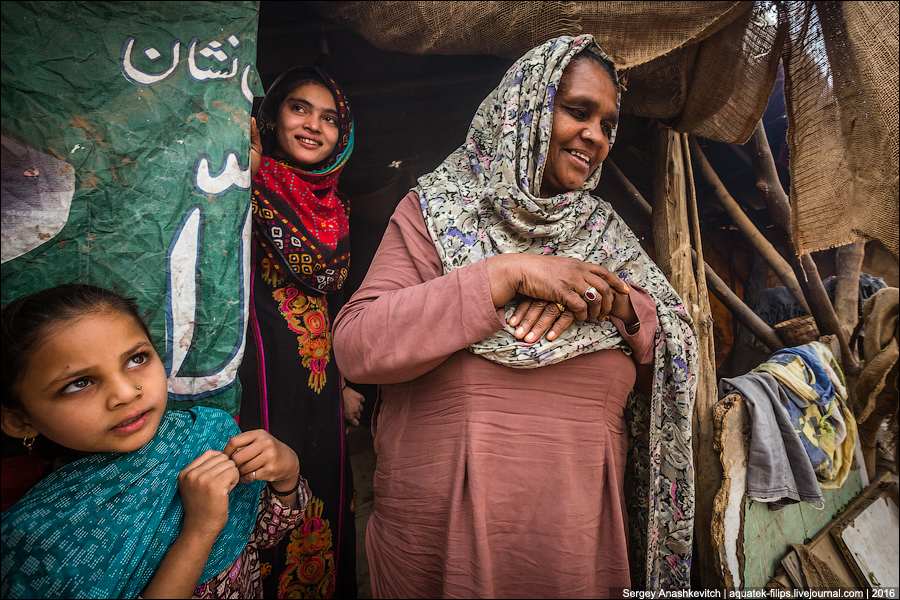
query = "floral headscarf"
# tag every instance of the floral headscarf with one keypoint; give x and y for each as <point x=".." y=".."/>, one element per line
<point x="484" y="199"/>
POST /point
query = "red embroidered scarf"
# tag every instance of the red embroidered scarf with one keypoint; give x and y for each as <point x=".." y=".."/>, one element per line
<point x="299" y="219"/>
<point x="302" y="224"/>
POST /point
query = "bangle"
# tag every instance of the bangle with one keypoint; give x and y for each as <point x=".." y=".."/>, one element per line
<point x="633" y="328"/>
<point x="287" y="493"/>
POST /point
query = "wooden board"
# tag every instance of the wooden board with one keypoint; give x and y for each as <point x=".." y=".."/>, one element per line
<point x="868" y="539"/>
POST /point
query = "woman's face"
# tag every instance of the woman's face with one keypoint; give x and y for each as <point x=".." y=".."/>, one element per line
<point x="95" y="385"/>
<point x="307" y="127"/>
<point x="584" y="115"/>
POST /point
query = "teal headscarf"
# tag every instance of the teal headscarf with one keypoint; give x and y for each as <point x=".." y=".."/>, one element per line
<point x="100" y="526"/>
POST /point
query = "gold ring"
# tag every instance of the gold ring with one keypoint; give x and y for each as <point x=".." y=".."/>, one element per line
<point x="561" y="307"/>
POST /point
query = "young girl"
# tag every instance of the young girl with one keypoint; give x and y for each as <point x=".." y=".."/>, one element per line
<point x="140" y="502"/>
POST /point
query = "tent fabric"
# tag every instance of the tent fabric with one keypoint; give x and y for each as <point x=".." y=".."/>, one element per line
<point x="708" y="68"/>
<point x="125" y="164"/>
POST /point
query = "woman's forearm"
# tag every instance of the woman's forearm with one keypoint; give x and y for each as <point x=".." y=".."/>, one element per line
<point x="397" y="335"/>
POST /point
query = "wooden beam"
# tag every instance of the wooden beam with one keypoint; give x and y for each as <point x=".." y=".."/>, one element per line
<point x="707" y="466"/>
<point x="749" y="319"/>
<point x="779" y="206"/>
<point x="672" y="191"/>
<point x="763" y="246"/>
<point x="762" y="330"/>
<point x="849" y="260"/>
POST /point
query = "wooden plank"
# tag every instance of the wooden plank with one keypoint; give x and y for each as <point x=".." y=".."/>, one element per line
<point x="672" y="193"/>
<point x="868" y="539"/>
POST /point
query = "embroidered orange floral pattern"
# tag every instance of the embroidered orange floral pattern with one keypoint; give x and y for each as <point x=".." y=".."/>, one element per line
<point x="306" y="316"/>
<point x="310" y="558"/>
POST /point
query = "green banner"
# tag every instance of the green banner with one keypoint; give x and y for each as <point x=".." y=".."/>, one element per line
<point x="125" y="138"/>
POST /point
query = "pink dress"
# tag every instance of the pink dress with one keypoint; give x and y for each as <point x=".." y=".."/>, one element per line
<point x="490" y="481"/>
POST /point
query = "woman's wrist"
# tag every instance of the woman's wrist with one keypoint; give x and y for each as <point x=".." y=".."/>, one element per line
<point x="284" y="487"/>
<point x="503" y="286"/>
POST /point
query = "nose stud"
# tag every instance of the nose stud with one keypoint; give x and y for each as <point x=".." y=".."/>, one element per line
<point x="140" y="387"/>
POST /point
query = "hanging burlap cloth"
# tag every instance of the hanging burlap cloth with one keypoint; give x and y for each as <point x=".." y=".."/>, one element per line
<point x="708" y="68"/>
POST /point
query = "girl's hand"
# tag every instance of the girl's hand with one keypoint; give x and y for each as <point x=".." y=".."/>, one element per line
<point x="353" y="405"/>
<point x="204" y="486"/>
<point x="260" y="457"/>
<point x="255" y="148"/>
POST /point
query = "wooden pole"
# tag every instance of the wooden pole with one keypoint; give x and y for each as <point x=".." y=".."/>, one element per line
<point x="762" y="330"/>
<point x="849" y="260"/>
<point x="707" y="466"/>
<point x="779" y="265"/>
<point x="779" y="206"/>
<point x="671" y="234"/>
<point x="749" y="319"/>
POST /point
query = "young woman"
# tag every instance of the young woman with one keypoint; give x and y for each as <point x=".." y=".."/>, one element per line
<point x="136" y="501"/>
<point x="291" y="385"/>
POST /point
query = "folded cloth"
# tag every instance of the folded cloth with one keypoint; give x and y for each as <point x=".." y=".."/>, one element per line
<point x="778" y="468"/>
<point x="812" y="380"/>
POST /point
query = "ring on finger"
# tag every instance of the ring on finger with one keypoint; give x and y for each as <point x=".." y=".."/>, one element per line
<point x="591" y="294"/>
<point x="561" y="307"/>
<point x="253" y="476"/>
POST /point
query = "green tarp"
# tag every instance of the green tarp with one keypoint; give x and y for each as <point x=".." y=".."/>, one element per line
<point x="125" y="132"/>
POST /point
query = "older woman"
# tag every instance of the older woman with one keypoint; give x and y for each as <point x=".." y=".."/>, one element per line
<point x="501" y="450"/>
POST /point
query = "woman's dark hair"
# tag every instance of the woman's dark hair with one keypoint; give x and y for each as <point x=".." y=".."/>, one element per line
<point x="607" y="65"/>
<point x="26" y="322"/>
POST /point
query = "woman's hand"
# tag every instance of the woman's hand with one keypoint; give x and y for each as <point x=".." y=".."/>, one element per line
<point x="547" y="280"/>
<point x="204" y="486"/>
<point x="259" y="456"/>
<point x="255" y="148"/>
<point x="353" y="405"/>
<point x="532" y="318"/>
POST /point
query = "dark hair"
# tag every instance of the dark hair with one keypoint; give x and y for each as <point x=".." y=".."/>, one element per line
<point x="607" y="65"/>
<point x="25" y="323"/>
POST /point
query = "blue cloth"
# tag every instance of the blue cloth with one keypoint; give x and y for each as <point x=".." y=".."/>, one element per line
<point x="820" y="383"/>
<point x="100" y="526"/>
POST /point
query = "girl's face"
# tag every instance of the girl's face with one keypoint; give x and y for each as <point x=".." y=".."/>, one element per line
<point x="307" y="127"/>
<point x="96" y="385"/>
<point x="584" y="115"/>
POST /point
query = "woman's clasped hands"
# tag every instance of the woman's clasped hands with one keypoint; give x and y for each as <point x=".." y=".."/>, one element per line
<point x="555" y="291"/>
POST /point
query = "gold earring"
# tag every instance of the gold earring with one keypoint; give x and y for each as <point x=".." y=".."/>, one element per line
<point x="29" y="445"/>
